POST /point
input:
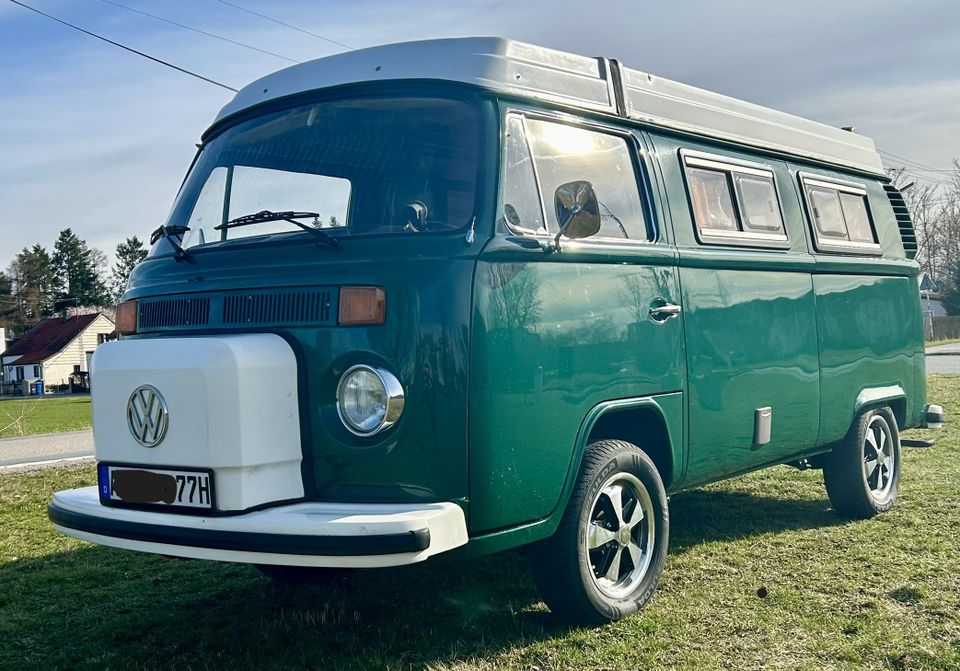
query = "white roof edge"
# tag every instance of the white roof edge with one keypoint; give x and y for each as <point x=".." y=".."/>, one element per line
<point x="683" y="107"/>
<point x="491" y="62"/>
<point x="531" y="71"/>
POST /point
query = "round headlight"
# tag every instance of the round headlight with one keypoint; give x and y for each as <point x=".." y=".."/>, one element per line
<point x="369" y="400"/>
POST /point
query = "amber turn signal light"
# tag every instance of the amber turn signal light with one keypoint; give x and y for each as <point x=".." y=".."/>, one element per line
<point x="126" y="321"/>
<point x="362" y="306"/>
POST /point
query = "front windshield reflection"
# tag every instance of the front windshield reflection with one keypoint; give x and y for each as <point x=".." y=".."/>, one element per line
<point x="363" y="165"/>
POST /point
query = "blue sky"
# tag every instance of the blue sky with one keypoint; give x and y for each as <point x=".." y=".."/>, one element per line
<point x="98" y="139"/>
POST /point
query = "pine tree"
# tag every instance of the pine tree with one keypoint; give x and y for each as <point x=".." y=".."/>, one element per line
<point x="77" y="273"/>
<point x="8" y="304"/>
<point x="130" y="252"/>
<point x="31" y="278"/>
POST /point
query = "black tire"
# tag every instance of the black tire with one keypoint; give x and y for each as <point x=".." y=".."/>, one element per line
<point x="303" y="575"/>
<point x="859" y="484"/>
<point x="566" y="571"/>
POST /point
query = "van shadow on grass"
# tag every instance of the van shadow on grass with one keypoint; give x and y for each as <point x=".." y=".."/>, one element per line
<point x="702" y="516"/>
<point x="95" y="607"/>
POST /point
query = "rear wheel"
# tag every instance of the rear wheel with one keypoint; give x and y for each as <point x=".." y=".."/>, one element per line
<point x="302" y="575"/>
<point x="862" y="474"/>
<point x="606" y="557"/>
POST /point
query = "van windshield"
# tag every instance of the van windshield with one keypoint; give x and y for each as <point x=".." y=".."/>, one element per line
<point x="359" y="166"/>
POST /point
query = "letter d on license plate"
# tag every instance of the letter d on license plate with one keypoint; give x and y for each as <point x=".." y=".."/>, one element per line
<point x="161" y="487"/>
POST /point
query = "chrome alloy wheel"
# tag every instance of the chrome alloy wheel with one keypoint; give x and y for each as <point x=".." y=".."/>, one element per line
<point x="620" y="535"/>
<point x="879" y="460"/>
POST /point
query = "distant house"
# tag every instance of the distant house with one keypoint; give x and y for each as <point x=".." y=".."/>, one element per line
<point x="52" y="351"/>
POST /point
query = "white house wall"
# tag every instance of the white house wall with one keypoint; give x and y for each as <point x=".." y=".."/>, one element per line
<point x="58" y="368"/>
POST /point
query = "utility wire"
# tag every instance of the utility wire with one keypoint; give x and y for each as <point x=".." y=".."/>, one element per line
<point x="125" y="47"/>
<point x="919" y="166"/>
<point x="287" y="25"/>
<point x="918" y="175"/>
<point x="197" y="30"/>
<point x="925" y="178"/>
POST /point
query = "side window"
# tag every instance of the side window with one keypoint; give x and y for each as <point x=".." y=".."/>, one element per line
<point x="733" y="202"/>
<point x="855" y="214"/>
<point x="562" y="153"/>
<point x="712" y="200"/>
<point x="840" y="216"/>
<point x="827" y="215"/>
<point x="521" y="199"/>
<point x="759" y="203"/>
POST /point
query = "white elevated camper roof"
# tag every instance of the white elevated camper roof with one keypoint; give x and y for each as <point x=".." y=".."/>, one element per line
<point x="579" y="81"/>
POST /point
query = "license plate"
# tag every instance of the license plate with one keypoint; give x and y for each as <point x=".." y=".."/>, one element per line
<point x="161" y="487"/>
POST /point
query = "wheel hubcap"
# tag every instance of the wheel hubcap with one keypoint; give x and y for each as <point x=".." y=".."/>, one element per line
<point x="620" y="535"/>
<point x="879" y="457"/>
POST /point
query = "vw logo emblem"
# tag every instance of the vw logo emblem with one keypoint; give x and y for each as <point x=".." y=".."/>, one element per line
<point x="147" y="415"/>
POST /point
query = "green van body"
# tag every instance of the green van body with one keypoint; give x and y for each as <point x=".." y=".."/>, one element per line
<point x="498" y="415"/>
<point x="514" y="356"/>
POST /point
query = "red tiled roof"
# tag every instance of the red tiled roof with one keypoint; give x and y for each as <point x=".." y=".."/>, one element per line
<point x="47" y="338"/>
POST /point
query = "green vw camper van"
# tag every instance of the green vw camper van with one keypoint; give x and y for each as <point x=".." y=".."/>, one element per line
<point x="459" y="296"/>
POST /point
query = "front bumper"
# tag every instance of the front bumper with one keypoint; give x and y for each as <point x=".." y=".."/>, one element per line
<point x="365" y="535"/>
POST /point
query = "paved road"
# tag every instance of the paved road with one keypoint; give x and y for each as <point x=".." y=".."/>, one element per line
<point x="943" y="358"/>
<point x="16" y="452"/>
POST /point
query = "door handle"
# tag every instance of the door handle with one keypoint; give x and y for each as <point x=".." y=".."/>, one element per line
<point x="662" y="313"/>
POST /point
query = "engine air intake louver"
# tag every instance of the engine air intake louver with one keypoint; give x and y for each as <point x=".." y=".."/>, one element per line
<point x="174" y="312"/>
<point x="900" y="210"/>
<point x="300" y="307"/>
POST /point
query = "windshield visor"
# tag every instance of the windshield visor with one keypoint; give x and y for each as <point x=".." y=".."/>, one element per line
<point x="362" y="166"/>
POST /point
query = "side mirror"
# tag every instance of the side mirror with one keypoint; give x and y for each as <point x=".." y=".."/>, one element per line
<point x="578" y="211"/>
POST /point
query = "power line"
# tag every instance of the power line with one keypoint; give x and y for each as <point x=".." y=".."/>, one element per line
<point x="926" y="178"/>
<point x="287" y="25"/>
<point x="919" y="166"/>
<point x="202" y="32"/>
<point x="919" y="173"/>
<point x="125" y="47"/>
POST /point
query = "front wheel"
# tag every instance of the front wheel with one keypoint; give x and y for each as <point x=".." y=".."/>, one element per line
<point x="862" y="473"/>
<point x="605" y="559"/>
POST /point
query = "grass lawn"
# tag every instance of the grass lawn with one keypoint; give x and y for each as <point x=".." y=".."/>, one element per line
<point x="876" y="594"/>
<point x="21" y="416"/>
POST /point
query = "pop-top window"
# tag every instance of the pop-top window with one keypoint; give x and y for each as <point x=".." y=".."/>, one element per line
<point x="840" y="216"/>
<point x="351" y="167"/>
<point x="543" y="155"/>
<point x="733" y="202"/>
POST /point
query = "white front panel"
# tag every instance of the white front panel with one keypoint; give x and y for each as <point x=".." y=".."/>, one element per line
<point x="233" y="407"/>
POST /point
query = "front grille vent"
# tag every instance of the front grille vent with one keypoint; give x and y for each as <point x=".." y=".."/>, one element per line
<point x="299" y="307"/>
<point x="902" y="213"/>
<point x="174" y="312"/>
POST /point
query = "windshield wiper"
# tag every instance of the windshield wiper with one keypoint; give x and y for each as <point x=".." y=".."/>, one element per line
<point x="171" y="233"/>
<point x="267" y="215"/>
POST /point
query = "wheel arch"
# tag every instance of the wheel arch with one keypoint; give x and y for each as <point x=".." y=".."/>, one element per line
<point x="664" y="409"/>
<point x="642" y="424"/>
<point x="874" y="397"/>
